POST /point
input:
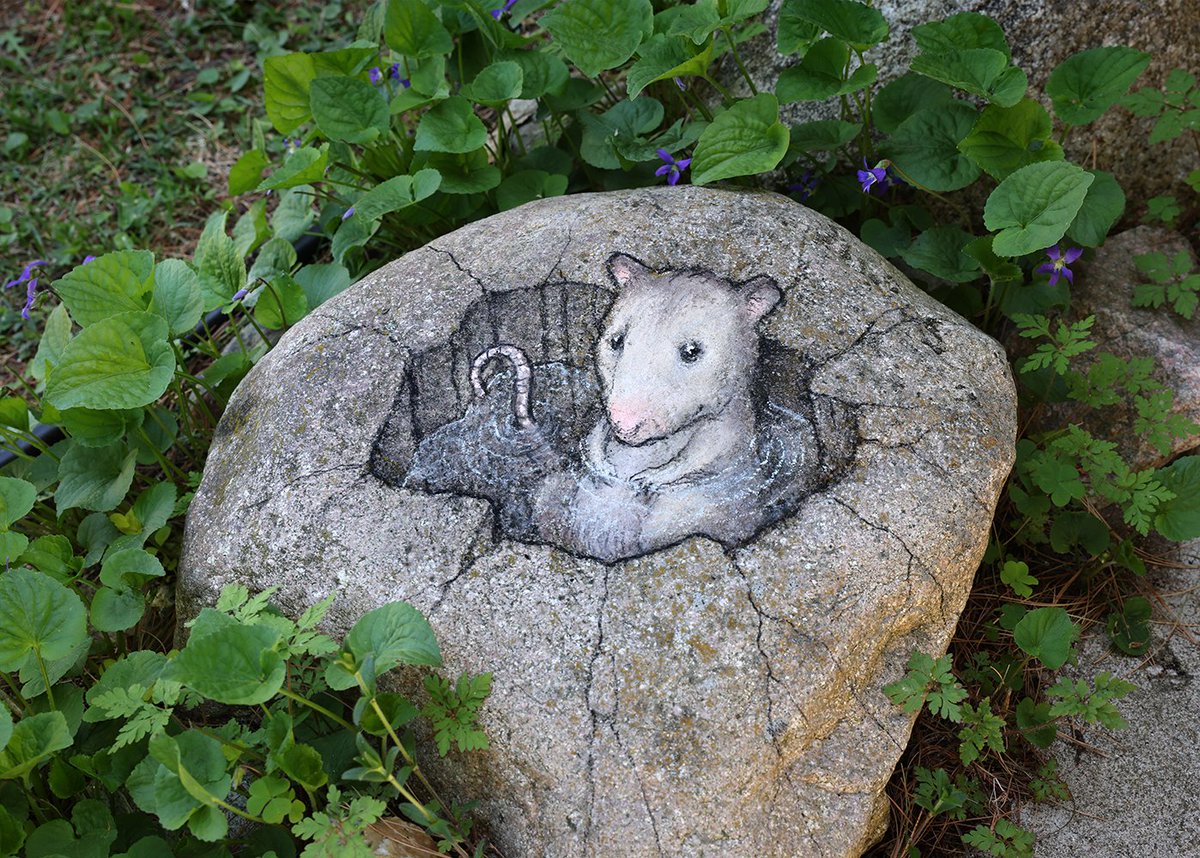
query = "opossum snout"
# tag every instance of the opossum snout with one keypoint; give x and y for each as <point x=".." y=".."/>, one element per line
<point x="629" y="419"/>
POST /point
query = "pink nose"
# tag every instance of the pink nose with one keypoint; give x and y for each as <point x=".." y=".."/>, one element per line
<point x="626" y="416"/>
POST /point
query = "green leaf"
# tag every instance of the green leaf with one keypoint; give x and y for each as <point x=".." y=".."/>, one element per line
<point x="394" y="634"/>
<point x="1129" y="628"/>
<point x="1015" y="574"/>
<point x="528" y="185"/>
<point x="54" y="556"/>
<point x="941" y="252"/>
<point x="291" y="219"/>
<point x="245" y="173"/>
<point x="1101" y="209"/>
<point x="821" y="135"/>
<point x="177" y="296"/>
<point x="904" y="96"/>
<point x="149" y="513"/>
<point x="820" y="75"/>
<point x="1178" y="519"/>
<point x="281" y="303"/>
<point x="794" y="33"/>
<point x="222" y="271"/>
<point x="12" y="546"/>
<point x="1033" y="207"/>
<point x="93" y="428"/>
<point x="411" y="28"/>
<point x="322" y="281"/>
<point x="123" y="361"/>
<point x="276" y="257"/>
<point x="302" y="167"/>
<point x="747" y="138"/>
<point x="396" y="193"/>
<point x="925" y="147"/>
<point x="624" y="121"/>
<point x="348" y="109"/>
<point x="116" y="610"/>
<point x="37" y="615"/>
<point x="94" y="478"/>
<point x="6" y="726"/>
<point x="1083" y="86"/>
<point x="109" y="284"/>
<point x="496" y="84"/>
<point x="665" y="57"/>
<point x="286" y="80"/>
<point x="471" y="173"/>
<point x="450" y="126"/>
<point x="961" y="32"/>
<point x="54" y="339"/>
<point x="14" y="412"/>
<point x="984" y="72"/>
<point x="541" y="73"/>
<point x="130" y="568"/>
<point x="599" y="34"/>
<point x="34" y="739"/>
<point x="230" y="662"/>
<point x="1047" y="635"/>
<point x="1004" y="139"/>
<point x="16" y="500"/>
<point x="251" y="228"/>
<point x="1035" y="722"/>
<point x="848" y="20"/>
<point x="185" y="774"/>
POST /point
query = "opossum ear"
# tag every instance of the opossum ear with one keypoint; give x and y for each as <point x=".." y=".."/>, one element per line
<point x="625" y="269"/>
<point x="761" y="295"/>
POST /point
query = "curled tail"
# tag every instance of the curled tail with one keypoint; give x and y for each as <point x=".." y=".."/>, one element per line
<point x="520" y="364"/>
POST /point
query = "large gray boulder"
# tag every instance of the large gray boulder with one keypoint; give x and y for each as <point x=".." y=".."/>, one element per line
<point x="1041" y="34"/>
<point x="699" y="695"/>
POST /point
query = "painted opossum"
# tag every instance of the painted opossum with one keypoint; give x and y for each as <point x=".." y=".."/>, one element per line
<point x="678" y="449"/>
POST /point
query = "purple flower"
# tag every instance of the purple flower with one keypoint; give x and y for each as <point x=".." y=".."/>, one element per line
<point x="375" y="74"/>
<point x="30" y="292"/>
<point x="508" y="4"/>
<point x="805" y="187"/>
<point x="672" y="168"/>
<point x="874" y="179"/>
<point x="1057" y="266"/>
<point x="291" y="144"/>
<point x="394" y="73"/>
<point x="87" y="259"/>
<point x="26" y="273"/>
<point x="679" y="83"/>
<point x="239" y="295"/>
<point x="348" y="212"/>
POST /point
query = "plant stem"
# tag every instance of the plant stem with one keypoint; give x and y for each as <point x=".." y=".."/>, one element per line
<point x="37" y="653"/>
<point x="737" y="57"/>
<point x="317" y="707"/>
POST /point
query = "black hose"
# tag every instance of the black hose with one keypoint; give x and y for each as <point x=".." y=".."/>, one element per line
<point x="306" y="249"/>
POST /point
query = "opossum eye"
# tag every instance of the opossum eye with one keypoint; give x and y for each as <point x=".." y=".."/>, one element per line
<point x="690" y="351"/>
<point x="616" y="342"/>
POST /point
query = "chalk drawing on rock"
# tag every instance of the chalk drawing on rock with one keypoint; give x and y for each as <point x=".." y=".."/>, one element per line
<point x="615" y="422"/>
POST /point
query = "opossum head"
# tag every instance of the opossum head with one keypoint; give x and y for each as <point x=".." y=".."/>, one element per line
<point x="677" y="347"/>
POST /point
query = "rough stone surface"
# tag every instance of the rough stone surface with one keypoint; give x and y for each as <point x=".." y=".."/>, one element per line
<point x="1041" y="34"/>
<point x="700" y="700"/>
<point x="1104" y="288"/>
<point x="1137" y="791"/>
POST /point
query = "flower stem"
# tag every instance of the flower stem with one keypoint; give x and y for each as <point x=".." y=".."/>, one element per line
<point x="737" y="57"/>
<point x="317" y="707"/>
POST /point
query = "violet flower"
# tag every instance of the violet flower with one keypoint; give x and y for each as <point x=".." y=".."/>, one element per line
<point x="30" y="287"/>
<point x="498" y="13"/>
<point x="672" y="169"/>
<point x="239" y="294"/>
<point x="87" y="259"/>
<point x="347" y="213"/>
<point x="394" y="73"/>
<point x="805" y="187"/>
<point x="1057" y="266"/>
<point x="679" y="83"/>
<point x="874" y="179"/>
<point x="375" y="75"/>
